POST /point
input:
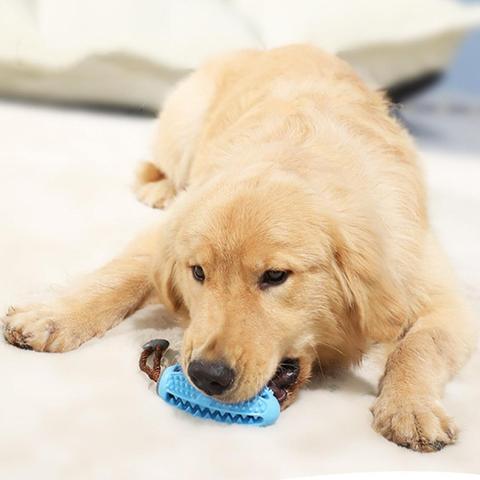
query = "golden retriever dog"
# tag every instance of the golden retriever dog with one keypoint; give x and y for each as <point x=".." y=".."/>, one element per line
<point x="295" y="234"/>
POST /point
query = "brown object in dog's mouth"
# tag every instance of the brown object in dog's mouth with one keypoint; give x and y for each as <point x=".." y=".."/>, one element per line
<point x="285" y="378"/>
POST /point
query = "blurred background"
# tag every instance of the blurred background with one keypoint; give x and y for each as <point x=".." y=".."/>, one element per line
<point x="126" y="54"/>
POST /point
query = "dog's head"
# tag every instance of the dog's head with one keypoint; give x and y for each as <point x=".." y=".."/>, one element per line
<point x="252" y="265"/>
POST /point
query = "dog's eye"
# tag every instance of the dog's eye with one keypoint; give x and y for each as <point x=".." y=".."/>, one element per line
<point x="198" y="273"/>
<point x="273" y="277"/>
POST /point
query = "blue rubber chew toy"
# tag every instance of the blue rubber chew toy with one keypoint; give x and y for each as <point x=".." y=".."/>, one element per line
<point x="176" y="390"/>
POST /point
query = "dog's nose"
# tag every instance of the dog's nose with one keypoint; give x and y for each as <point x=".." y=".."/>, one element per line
<point x="213" y="378"/>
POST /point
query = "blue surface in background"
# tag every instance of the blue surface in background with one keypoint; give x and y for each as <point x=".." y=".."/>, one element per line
<point x="464" y="74"/>
<point x="447" y="115"/>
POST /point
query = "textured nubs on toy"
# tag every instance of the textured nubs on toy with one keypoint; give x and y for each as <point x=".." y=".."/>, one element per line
<point x="174" y="387"/>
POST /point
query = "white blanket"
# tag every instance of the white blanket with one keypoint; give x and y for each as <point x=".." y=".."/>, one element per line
<point x="65" y="207"/>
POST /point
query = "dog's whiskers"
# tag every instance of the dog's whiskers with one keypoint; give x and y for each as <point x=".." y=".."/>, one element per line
<point x="319" y="363"/>
<point x="333" y="347"/>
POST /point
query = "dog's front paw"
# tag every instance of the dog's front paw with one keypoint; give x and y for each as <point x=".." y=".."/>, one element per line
<point x="42" y="327"/>
<point x="417" y="423"/>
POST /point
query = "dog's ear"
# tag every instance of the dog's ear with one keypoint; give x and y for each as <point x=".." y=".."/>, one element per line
<point x="167" y="288"/>
<point x="372" y="298"/>
<point x="164" y="274"/>
<point x="354" y="288"/>
<point x="357" y="265"/>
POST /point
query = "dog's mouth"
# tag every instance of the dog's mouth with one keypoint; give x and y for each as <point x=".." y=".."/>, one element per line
<point x="283" y="383"/>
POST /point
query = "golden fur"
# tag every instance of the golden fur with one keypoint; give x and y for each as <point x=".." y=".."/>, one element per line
<point x="284" y="160"/>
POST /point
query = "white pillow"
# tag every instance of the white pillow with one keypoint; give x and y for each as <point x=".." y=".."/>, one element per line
<point x="387" y="41"/>
<point x="130" y="52"/>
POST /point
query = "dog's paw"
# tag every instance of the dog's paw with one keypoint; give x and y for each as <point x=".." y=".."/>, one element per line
<point x="156" y="194"/>
<point x="152" y="187"/>
<point x="420" y="423"/>
<point x="41" y="327"/>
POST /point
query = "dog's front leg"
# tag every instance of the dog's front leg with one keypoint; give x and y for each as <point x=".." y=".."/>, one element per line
<point x="88" y="308"/>
<point x="408" y="410"/>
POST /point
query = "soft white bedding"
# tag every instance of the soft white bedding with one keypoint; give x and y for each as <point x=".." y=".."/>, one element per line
<point x="65" y="207"/>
